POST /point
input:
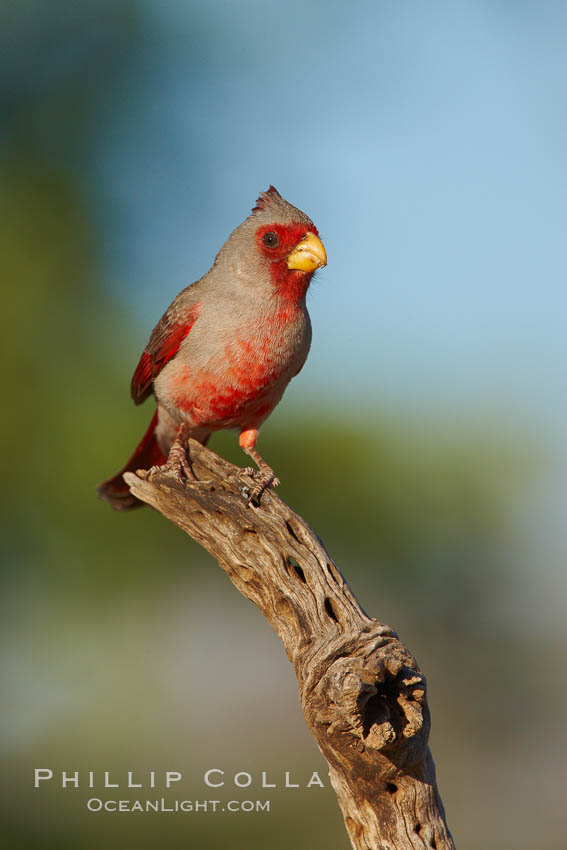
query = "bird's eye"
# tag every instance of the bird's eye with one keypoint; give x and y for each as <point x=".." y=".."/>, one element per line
<point x="270" y="240"/>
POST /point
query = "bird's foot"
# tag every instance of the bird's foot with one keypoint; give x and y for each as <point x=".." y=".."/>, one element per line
<point x="176" y="463"/>
<point x="264" y="479"/>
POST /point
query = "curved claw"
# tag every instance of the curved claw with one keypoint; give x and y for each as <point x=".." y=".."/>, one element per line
<point x="264" y="480"/>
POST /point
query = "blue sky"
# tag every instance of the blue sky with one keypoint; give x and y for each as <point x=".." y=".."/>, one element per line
<point x="428" y="144"/>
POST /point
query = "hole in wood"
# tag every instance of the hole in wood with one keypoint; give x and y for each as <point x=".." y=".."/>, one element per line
<point x="250" y="531"/>
<point x="295" y="569"/>
<point x="417" y="828"/>
<point x="376" y="711"/>
<point x="391" y="788"/>
<point x="291" y="531"/>
<point x="433" y="844"/>
<point x="330" y="610"/>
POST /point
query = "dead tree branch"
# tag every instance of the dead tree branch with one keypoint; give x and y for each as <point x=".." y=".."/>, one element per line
<point x="362" y="694"/>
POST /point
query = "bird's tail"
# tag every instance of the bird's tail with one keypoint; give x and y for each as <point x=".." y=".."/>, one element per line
<point x="147" y="454"/>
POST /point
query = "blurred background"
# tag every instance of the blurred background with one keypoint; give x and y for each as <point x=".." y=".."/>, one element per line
<point x="424" y="440"/>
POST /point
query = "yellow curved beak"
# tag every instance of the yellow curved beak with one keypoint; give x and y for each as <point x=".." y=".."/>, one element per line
<point x="308" y="255"/>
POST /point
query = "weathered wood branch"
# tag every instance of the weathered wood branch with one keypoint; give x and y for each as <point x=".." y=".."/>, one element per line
<point x="362" y="694"/>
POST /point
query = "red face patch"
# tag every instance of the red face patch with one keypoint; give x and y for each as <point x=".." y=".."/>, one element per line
<point x="275" y="242"/>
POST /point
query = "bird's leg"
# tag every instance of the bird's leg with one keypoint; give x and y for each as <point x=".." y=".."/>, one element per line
<point x="264" y="476"/>
<point x="177" y="462"/>
<point x="177" y="458"/>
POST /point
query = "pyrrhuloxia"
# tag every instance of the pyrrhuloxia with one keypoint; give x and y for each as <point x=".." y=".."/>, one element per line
<point x="226" y="348"/>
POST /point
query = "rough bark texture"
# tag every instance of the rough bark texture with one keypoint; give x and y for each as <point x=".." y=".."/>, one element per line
<point x="362" y="693"/>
